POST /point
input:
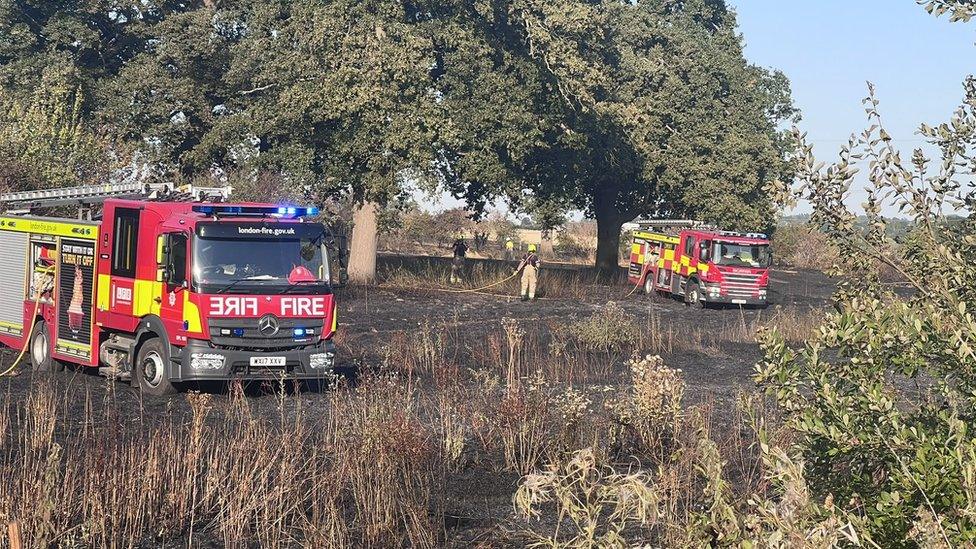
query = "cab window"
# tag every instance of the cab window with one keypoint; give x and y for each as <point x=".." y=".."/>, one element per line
<point x="177" y="259"/>
<point x="690" y="246"/>
<point x="705" y="251"/>
<point x="125" y="244"/>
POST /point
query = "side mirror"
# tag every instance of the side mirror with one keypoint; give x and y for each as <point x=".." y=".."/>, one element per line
<point x="161" y="249"/>
<point x="162" y="258"/>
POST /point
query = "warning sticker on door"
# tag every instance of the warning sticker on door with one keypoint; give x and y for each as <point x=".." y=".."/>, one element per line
<point x="75" y="284"/>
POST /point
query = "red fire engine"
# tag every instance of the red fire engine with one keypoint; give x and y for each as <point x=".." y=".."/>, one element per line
<point x="703" y="265"/>
<point x="169" y="285"/>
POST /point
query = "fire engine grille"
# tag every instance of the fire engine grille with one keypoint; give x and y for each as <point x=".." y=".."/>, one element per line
<point x="243" y="333"/>
<point x="740" y="284"/>
<point x="267" y="372"/>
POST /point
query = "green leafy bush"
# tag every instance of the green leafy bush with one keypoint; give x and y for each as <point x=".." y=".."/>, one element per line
<point x="611" y="330"/>
<point x="883" y="398"/>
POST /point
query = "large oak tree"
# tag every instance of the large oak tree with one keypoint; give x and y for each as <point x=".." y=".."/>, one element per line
<point x="620" y="109"/>
<point x="651" y="110"/>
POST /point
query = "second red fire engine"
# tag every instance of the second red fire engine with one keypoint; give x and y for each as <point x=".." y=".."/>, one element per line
<point x="702" y="265"/>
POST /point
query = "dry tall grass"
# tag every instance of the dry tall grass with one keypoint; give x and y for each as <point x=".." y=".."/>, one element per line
<point x="365" y="471"/>
<point x="370" y="464"/>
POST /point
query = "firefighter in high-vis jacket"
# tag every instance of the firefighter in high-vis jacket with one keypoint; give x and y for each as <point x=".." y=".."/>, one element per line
<point x="530" y="273"/>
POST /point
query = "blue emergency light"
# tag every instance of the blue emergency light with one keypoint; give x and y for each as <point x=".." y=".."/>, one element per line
<point x="217" y="210"/>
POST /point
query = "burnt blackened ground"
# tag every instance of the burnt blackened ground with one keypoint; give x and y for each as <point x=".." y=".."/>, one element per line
<point x="712" y="346"/>
<point x="714" y="349"/>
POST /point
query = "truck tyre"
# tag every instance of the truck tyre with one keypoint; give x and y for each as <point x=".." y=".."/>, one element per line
<point x="693" y="295"/>
<point x="40" y="350"/>
<point x="150" y="369"/>
<point x="649" y="284"/>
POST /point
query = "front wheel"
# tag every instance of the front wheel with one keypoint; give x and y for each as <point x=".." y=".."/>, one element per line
<point x="693" y="295"/>
<point x="40" y="350"/>
<point x="150" y="369"/>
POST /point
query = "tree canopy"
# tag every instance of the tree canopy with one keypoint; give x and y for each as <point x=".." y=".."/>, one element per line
<point x="619" y="109"/>
<point x="657" y="114"/>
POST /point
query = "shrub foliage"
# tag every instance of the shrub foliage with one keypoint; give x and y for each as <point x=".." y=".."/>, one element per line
<point x="883" y="397"/>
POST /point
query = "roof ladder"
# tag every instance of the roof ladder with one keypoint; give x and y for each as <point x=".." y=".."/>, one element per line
<point x="87" y="195"/>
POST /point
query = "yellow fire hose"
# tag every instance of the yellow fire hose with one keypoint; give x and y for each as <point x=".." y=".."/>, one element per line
<point x="483" y="288"/>
<point x="30" y="332"/>
<point x="500" y="282"/>
<point x="634" y="289"/>
<point x="466" y="291"/>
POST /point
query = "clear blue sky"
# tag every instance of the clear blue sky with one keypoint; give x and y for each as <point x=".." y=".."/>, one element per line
<point x="830" y="48"/>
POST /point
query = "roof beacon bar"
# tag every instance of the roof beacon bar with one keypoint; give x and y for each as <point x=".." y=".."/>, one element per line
<point x="219" y="210"/>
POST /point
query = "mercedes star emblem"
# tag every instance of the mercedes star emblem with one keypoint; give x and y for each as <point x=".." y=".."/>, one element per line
<point x="268" y="325"/>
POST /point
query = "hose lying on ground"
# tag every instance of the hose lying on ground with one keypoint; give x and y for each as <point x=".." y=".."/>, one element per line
<point x="480" y="290"/>
<point x="475" y="290"/>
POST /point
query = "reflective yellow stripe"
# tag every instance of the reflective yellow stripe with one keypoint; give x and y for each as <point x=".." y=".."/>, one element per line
<point x="104" y="290"/>
<point x="191" y="314"/>
<point x="656" y="237"/>
<point x="11" y="328"/>
<point x="43" y="226"/>
<point x="144" y="294"/>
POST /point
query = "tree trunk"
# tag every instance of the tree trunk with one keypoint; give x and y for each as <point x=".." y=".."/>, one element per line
<point x="608" y="225"/>
<point x="362" y="249"/>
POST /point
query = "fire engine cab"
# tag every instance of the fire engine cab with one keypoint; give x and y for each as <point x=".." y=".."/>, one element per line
<point x="700" y="264"/>
<point x="167" y="285"/>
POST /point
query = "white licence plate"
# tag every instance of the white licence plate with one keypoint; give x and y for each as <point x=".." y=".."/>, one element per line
<point x="267" y="361"/>
<point x="736" y="301"/>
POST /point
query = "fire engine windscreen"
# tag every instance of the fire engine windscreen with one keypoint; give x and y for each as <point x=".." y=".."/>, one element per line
<point x="741" y="255"/>
<point x="243" y="263"/>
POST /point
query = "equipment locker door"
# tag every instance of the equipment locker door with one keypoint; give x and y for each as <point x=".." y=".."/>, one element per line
<point x="122" y="250"/>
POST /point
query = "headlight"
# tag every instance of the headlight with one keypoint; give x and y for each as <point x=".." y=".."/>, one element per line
<point x="206" y="361"/>
<point x="321" y="361"/>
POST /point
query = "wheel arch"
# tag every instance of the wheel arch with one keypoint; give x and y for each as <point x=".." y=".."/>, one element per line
<point x="151" y="326"/>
